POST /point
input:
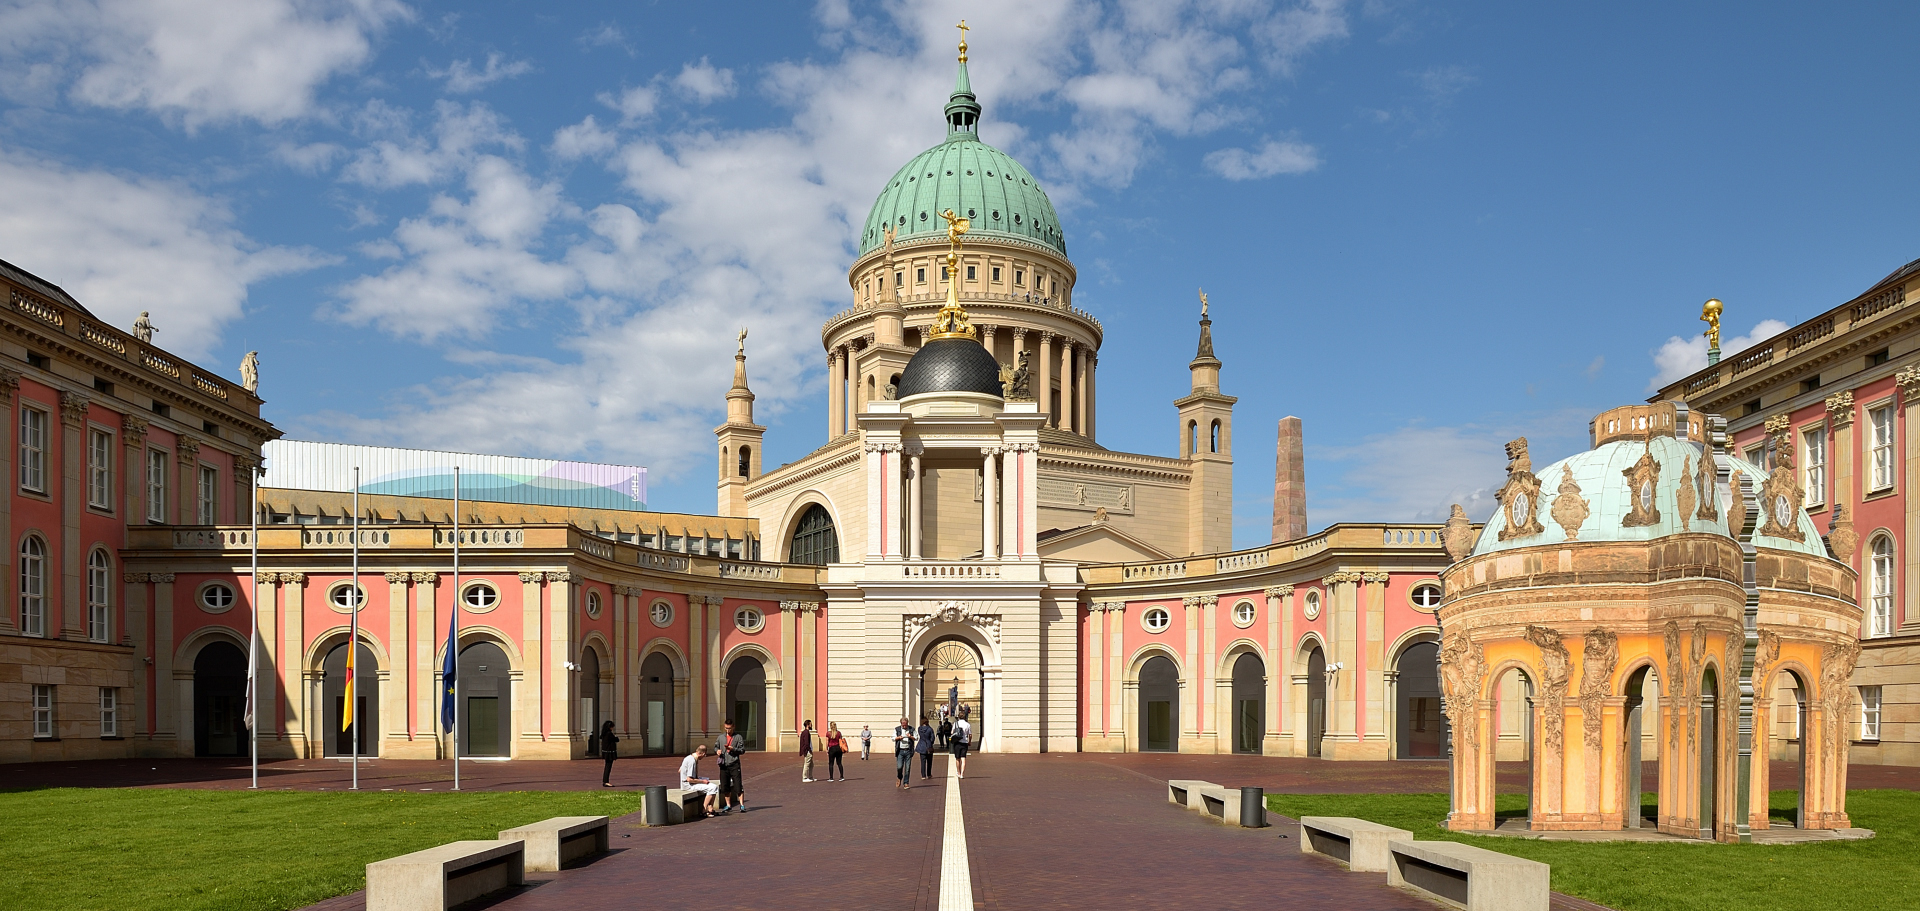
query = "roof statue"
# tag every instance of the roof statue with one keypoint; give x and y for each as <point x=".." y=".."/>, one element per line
<point x="742" y="339"/>
<point x="951" y="321"/>
<point x="250" y="371"/>
<point x="1203" y="303"/>
<point x="1017" y="380"/>
<point x="1710" y="314"/>
<point x="143" y="328"/>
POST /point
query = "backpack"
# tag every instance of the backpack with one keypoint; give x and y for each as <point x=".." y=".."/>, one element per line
<point x="962" y="732"/>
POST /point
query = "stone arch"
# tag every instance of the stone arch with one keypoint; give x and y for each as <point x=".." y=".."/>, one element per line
<point x="1239" y="700"/>
<point x="372" y="688"/>
<point x="790" y="519"/>
<point x="1413" y="717"/>
<point x="986" y="642"/>
<point x="593" y="690"/>
<point x="771" y="706"/>
<point x="325" y="642"/>
<point x="1310" y="708"/>
<point x="663" y="727"/>
<point x="189" y="648"/>
<point x="1135" y="707"/>
<point x="1309" y="641"/>
<point x="663" y="645"/>
<point x="470" y="635"/>
<point x="215" y="709"/>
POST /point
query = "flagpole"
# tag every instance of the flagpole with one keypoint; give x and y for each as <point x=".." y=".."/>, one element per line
<point x="353" y="653"/>
<point x="253" y="637"/>
<point x="453" y="637"/>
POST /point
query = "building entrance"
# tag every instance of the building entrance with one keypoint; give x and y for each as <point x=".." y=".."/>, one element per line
<point x="951" y="681"/>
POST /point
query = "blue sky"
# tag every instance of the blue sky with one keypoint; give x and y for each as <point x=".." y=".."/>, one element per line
<point x="533" y="228"/>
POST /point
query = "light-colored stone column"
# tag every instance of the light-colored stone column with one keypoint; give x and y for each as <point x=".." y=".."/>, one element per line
<point x="1093" y="394"/>
<point x="1342" y="708"/>
<point x="1840" y="453"/>
<point x="1082" y="418"/>
<point x="987" y="340"/>
<point x="1210" y="718"/>
<point x="1117" y="672"/>
<point x="990" y="484"/>
<point x="166" y="696"/>
<point x="1909" y="382"/>
<point x="266" y="606"/>
<point x="9" y="384"/>
<point x="717" y="678"/>
<point x="1043" y="391"/>
<point x="809" y="668"/>
<point x="916" y="507"/>
<point x="1096" y="635"/>
<point x="293" y="661"/>
<point x="134" y="596"/>
<point x="877" y="516"/>
<point x="1019" y="344"/>
<point x="429" y="637"/>
<point x="695" y="698"/>
<point x="561" y="642"/>
<point x="622" y="670"/>
<point x="1378" y="719"/>
<point x="894" y="483"/>
<point x="133" y="452"/>
<point x="789" y="670"/>
<point x="1190" y="676"/>
<point x="396" y="695"/>
<point x="1279" y="668"/>
<point x="1028" y="508"/>
<point x="529" y="692"/>
<point x="71" y="494"/>
<point x="836" y="396"/>
<point x="186" y="491"/>
<point x="1064" y="417"/>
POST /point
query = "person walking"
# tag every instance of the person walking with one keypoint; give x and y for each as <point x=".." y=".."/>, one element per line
<point x="944" y="731"/>
<point x="806" y="751"/>
<point x="836" y="752"/>
<point x="690" y="779"/>
<point x="924" y="746"/>
<point x="609" y="751"/>
<point x="731" y="790"/>
<point x="866" y="743"/>
<point x="903" y="737"/>
<point x="962" y="738"/>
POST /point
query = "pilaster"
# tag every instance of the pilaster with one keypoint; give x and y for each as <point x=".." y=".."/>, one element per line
<point x="529" y="692"/>
<point x="428" y="639"/>
<point x="1377" y="723"/>
<point x="72" y="493"/>
<point x="397" y="690"/>
<point x="562" y="708"/>
<point x="166" y="709"/>
<point x="140" y="720"/>
<point x="1190" y="676"/>
<point x="1279" y="670"/>
<point x="186" y="462"/>
<point x="1214" y="729"/>
<point x="133" y="449"/>
<point x="1908" y="381"/>
<point x="9" y="384"/>
<point x="293" y="650"/>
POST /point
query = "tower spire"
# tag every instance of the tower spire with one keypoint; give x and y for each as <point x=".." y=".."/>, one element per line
<point x="963" y="109"/>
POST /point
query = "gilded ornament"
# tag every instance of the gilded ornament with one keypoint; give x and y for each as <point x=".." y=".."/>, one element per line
<point x="1569" y="508"/>
<point x="1710" y="314"/>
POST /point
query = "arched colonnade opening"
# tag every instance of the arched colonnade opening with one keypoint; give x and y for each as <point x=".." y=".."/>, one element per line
<point x="219" y="700"/>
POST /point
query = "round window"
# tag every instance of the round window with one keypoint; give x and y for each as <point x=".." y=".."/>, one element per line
<point x="1313" y="605"/>
<point x="1156" y="620"/>
<point x="1520" y="507"/>
<point x="661" y="613"/>
<point x="593" y="605"/>
<point x="749" y="620"/>
<point x="217" y="596"/>
<point x="1425" y="596"/>
<point x="1243" y="614"/>
<point x="481" y="597"/>
<point x="342" y="597"/>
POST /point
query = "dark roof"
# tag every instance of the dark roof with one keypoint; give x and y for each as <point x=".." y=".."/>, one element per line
<point x="40" y="286"/>
<point x="950" y="365"/>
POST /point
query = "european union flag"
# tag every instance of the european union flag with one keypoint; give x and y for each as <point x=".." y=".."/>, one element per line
<point x="450" y="670"/>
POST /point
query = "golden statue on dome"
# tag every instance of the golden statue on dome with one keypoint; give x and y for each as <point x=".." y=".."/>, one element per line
<point x="951" y="321"/>
<point x="1710" y="314"/>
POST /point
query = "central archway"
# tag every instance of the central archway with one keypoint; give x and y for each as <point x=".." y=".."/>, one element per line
<point x="485" y="682"/>
<point x="656" y="705"/>
<point x="366" y="692"/>
<point x="1420" y="729"/>
<point x="219" y="701"/>
<point x="1159" y="706"/>
<point x="1249" y="703"/>
<point x="747" y="700"/>
<point x="951" y="678"/>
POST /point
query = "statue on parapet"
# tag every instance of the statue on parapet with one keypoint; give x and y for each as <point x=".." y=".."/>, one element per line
<point x="143" y="328"/>
<point x="250" y="371"/>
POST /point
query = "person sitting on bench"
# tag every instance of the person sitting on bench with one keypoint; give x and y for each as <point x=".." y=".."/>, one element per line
<point x="690" y="779"/>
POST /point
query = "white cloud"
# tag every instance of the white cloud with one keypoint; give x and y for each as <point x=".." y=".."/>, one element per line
<point x="1286" y="157"/>
<point x="312" y="158"/>
<point x="606" y="35"/>
<point x="704" y="82"/>
<point x="402" y="157"/>
<point x="462" y="78"/>
<point x="1680" y="357"/>
<point x="193" y="61"/>
<point x="583" y="140"/>
<point x="633" y="103"/>
<point x="121" y="245"/>
<point x="1416" y="473"/>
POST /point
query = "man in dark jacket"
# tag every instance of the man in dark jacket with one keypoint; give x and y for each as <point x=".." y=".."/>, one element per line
<point x="806" y="751"/>
<point x="924" y="747"/>
<point x="728" y="748"/>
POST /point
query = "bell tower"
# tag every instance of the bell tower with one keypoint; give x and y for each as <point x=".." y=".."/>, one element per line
<point x="1206" y="442"/>
<point x="739" y="439"/>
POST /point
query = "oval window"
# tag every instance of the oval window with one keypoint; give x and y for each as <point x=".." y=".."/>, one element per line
<point x="1426" y="596"/>
<point x="217" y="596"/>
<point x="593" y="605"/>
<point x="1520" y="509"/>
<point x="661" y="613"/>
<point x="1646" y="494"/>
<point x="749" y="620"/>
<point x="342" y="597"/>
<point x="1156" y="620"/>
<point x="1243" y="614"/>
<point x="1313" y="605"/>
<point x="481" y="596"/>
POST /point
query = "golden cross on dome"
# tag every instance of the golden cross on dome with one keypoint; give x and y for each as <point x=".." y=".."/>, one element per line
<point x="963" y="40"/>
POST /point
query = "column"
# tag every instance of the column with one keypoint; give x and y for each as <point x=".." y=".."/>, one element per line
<point x="1092" y="402"/>
<point x="916" y="507"/>
<point x="809" y="667"/>
<point x="428" y="637"/>
<point x="9" y="383"/>
<point x="1083" y="421"/>
<point x="989" y="485"/>
<point x="1064" y="419"/>
<point x="1378" y="720"/>
<point x="1190" y="703"/>
<point x="717" y="680"/>
<point x="987" y="333"/>
<point x="696" y="725"/>
<point x="72" y="492"/>
<point x="395" y="695"/>
<point x="267" y="720"/>
<point x="166" y="705"/>
<point x="1909" y="383"/>
<point x="877" y="515"/>
<point x="133" y="443"/>
<point x="622" y="668"/>
<point x="835" y="391"/>
<point x="562" y="714"/>
<point x="1344" y="629"/>
<point x="1279" y="667"/>
<point x="186" y="462"/>
<point x="1117" y="717"/>
<point x="134" y="596"/>
<point x="293" y="664"/>
<point x="1043" y="391"/>
<point x="1840" y="452"/>
<point x="1214" y="723"/>
<point x="789" y="664"/>
<point x="1096" y="631"/>
<point x="243" y="468"/>
<point x="529" y="706"/>
<point x="891" y="482"/>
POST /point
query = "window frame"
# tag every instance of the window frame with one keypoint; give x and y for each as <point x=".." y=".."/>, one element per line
<point x="1882" y="585"/>
<point x="1870" y="708"/>
<point x="1414" y="591"/>
<point x="749" y="619"/>
<point x="99" y="591"/>
<point x="207" y="495"/>
<point x="100" y="469"/>
<point x="32" y="598"/>
<point x="109" y="713"/>
<point x="207" y="603"/>
<point x="1880" y="461"/>
<point x="333" y="599"/>
<point x="44" y="703"/>
<point x="593" y="604"/>
<point x="1813" y="472"/>
<point x="1310" y="606"/>
<point x="157" y="485"/>
<point x="32" y="474"/>
<point x="1253" y="613"/>
<point x="467" y="593"/>
<point x="657" y="617"/>
<point x="1147" y="620"/>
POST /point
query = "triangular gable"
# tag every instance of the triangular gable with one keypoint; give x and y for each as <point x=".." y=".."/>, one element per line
<point x="1097" y="543"/>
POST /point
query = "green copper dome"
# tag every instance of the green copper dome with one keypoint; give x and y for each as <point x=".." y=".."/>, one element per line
<point x="975" y="180"/>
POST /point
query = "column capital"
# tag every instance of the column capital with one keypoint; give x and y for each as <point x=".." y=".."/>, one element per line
<point x="73" y="408"/>
<point x="133" y="577"/>
<point x="1019" y="334"/>
<point x="133" y="430"/>
<point x="1374" y="577"/>
<point x="882" y="447"/>
<point x="1280" y="591"/>
<point x="1190" y="603"/>
<point x="1047" y="336"/>
<point x="533" y="577"/>
<point x="187" y="449"/>
<point x="426" y="578"/>
<point x="1908" y="379"/>
<point x="991" y="451"/>
<point x="914" y="449"/>
<point x="399" y="578"/>
<point x="161" y="577"/>
<point x="1209" y="600"/>
<point x="1840" y="408"/>
<point x="1336" y="578"/>
<point x="294" y="578"/>
<point x="9" y="383"/>
<point x="562" y="576"/>
<point x="715" y="600"/>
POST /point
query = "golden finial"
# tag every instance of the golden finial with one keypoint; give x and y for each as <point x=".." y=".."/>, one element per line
<point x="951" y="321"/>
<point x="963" y="40"/>
<point x="1710" y="314"/>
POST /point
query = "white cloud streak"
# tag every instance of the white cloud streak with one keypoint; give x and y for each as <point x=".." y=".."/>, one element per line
<point x="462" y="78"/>
<point x="1678" y="357"/>
<point x="1270" y="158"/>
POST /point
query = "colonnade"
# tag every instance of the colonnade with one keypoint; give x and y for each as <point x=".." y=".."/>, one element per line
<point x="1007" y="509"/>
<point x="1073" y="369"/>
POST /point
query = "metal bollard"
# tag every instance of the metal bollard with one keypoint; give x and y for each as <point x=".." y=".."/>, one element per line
<point x="1253" y="808"/>
<point x="656" y="805"/>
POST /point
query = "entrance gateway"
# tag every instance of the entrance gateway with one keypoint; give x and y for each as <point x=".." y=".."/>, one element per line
<point x="951" y="680"/>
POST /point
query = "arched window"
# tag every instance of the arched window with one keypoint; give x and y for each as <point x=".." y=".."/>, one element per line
<point x="33" y="586"/>
<point x="1216" y="436"/>
<point x="814" y="541"/>
<point x="1193" y="438"/>
<point x="1881" y="606"/>
<point x="99" y="587"/>
<point x="746" y="455"/>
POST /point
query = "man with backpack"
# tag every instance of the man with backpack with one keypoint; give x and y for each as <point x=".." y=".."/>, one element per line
<point x="961" y="738"/>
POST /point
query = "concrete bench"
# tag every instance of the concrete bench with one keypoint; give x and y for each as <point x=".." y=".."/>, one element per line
<point x="1181" y="791"/>
<point x="554" y="843"/>
<point x="1359" y="844"/>
<point x="685" y="805"/>
<point x="1468" y="877"/>
<point x="439" y="878"/>
<point x="1220" y="803"/>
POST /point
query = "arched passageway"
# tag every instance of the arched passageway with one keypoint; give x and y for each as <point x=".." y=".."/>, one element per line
<point x="1249" y="703"/>
<point x="747" y="700"/>
<point x="1642" y="753"/>
<point x="587" y="694"/>
<point x="338" y="739"/>
<point x="1159" y="706"/>
<point x="1316" y="700"/>
<point x="656" y="705"/>
<point x="485" y="686"/>
<point x="220" y="701"/>
<point x="952" y="681"/>
<point x="1513" y="724"/>
<point x="1421" y="730"/>
<point x="1709" y="754"/>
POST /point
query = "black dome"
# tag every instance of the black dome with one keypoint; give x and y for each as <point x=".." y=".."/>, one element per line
<point x="950" y="365"/>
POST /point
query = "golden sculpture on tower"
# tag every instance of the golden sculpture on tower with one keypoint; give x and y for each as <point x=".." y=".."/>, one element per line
<point x="951" y="321"/>
<point x="1710" y="314"/>
<point x="963" y="40"/>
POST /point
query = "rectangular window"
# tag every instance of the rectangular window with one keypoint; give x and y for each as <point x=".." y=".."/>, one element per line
<point x="1880" y="421"/>
<point x="156" y="485"/>
<point x="1869" y="713"/>
<point x="970" y="274"/>
<point x="943" y="273"/>
<point x="1880" y="586"/>
<point x="33" y="450"/>
<point x="100" y="469"/>
<point x="42" y="712"/>
<point x="1758" y="456"/>
<point x="209" y="482"/>
<point x="899" y="278"/>
<point x="109" y="712"/>
<point x="1019" y="278"/>
<point x="920" y="276"/>
<point x="996" y="275"/>
<point x="99" y="585"/>
<point x="1813" y="455"/>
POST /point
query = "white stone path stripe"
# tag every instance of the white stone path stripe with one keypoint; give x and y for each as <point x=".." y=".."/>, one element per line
<point x="956" y="879"/>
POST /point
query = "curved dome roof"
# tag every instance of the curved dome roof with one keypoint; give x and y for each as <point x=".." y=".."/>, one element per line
<point x="973" y="179"/>
<point x="1600" y="472"/>
<point x="950" y="365"/>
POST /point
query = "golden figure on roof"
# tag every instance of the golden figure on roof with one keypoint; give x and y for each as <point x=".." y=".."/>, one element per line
<point x="1710" y="314"/>
<point x="951" y="321"/>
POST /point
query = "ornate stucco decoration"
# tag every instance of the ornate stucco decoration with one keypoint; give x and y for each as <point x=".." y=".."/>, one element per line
<point x="1764" y="656"/>
<point x="1280" y="591"/>
<point x="1463" y="671"/>
<point x="1696" y="654"/>
<point x="1737" y="509"/>
<point x="1457" y="537"/>
<point x="1840" y="409"/>
<point x="1780" y="499"/>
<point x="9" y="381"/>
<point x="1520" y="498"/>
<point x="1643" y="487"/>
<point x="1836" y="669"/>
<point x="1842" y="540"/>
<point x="1778" y="424"/>
<point x="1908" y="379"/>
<point x="1569" y="508"/>
<point x="1671" y="677"/>
<point x="73" y="408"/>
<point x="1597" y="661"/>
<point x="1709" y="491"/>
<point x="962" y="612"/>
<point x="133" y="429"/>
<point x="1685" y="496"/>
<point x="1553" y="660"/>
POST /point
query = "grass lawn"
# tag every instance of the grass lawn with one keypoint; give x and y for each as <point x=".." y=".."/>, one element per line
<point x="86" y="848"/>
<point x="1881" y="872"/>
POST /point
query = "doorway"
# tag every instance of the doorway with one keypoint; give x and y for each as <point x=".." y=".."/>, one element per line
<point x="1643" y="695"/>
<point x="220" y="701"/>
<point x="339" y="740"/>
<point x="486" y="707"/>
<point x="747" y="700"/>
<point x="952" y="681"/>
<point x="1709" y="754"/>
<point x="1421" y="730"/>
<point x="656" y="705"/>
<point x="1316" y="700"/>
<point x="1249" y="703"/>
<point x="1159" y="706"/>
<point x="1513" y="719"/>
<point x="589" y="698"/>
